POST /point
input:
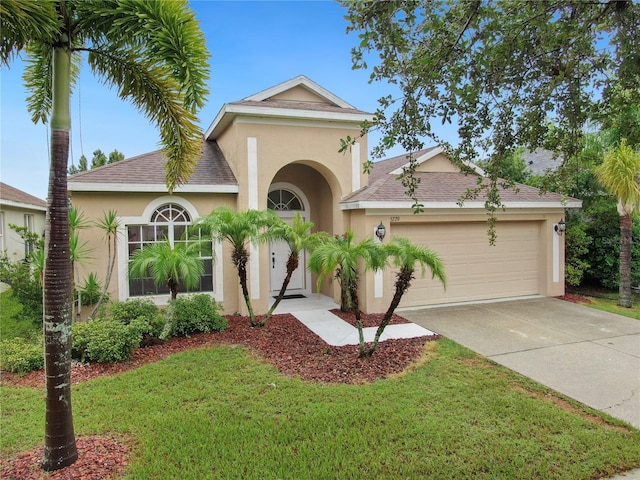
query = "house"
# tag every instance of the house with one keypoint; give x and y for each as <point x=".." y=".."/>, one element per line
<point x="279" y="149"/>
<point x="23" y="210"/>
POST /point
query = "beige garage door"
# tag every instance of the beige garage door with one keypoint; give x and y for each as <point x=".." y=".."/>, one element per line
<point x="475" y="270"/>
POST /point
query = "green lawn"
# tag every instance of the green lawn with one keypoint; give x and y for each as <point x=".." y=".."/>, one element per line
<point x="12" y="324"/>
<point x="609" y="303"/>
<point x="220" y="413"/>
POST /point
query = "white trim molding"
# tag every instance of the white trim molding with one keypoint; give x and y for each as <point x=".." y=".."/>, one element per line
<point x="402" y="205"/>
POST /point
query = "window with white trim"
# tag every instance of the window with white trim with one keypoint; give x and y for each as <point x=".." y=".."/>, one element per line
<point x="168" y="222"/>
<point x="283" y="200"/>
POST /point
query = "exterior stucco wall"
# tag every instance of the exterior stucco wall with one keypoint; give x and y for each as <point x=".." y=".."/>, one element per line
<point x="13" y="245"/>
<point x="304" y="154"/>
<point x="550" y="265"/>
<point x="133" y="205"/>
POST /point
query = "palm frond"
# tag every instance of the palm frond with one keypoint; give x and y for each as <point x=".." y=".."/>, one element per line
<point x="23" y="23"/>
<point x="619" y="173"/>
<point x="155" y="92"/>
<point x="165" y="33"/>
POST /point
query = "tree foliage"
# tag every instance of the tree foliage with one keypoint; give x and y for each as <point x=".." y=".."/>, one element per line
<point x="504" y="73"/>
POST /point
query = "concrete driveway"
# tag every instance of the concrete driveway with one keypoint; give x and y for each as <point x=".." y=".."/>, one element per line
<point x="586" y="354"/>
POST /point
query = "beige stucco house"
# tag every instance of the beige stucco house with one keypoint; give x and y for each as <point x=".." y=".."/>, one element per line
<point x="278" y="149"/>
<point x="22" y="210"/>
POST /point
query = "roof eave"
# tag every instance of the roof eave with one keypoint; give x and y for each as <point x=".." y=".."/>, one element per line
<point x="409" y="205"/>
<point x="27" y="206"/>
<point x="148" y="188"/>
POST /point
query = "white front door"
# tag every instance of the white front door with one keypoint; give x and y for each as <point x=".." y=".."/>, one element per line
<point x="278" y="256"/>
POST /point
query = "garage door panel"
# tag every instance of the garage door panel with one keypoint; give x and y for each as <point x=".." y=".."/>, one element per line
<point x="475" y="270"/>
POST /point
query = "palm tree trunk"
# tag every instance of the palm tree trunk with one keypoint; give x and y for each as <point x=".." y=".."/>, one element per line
<point x="355" y="305"/>
<point x="403" y="282"/>
<point x="292" y="265"/>
<point x="60" y="445"/>
<point x="624" y="299"/>
<point x="240" y="260"/>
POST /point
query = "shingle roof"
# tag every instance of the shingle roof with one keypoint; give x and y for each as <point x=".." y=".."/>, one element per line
<point x="443" y="187"/>
<point x="211" y="169"/>
<point x="298" y="105"/>
<point x="383" y="167"/>
<point x="12" y="194"/>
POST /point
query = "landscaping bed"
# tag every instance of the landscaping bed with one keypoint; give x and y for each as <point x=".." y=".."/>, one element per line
<point x="284" y="342"/>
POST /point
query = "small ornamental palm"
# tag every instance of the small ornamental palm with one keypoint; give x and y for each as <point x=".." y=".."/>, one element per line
<point x="405" y="256"/>
<point x="239" y="229"/>
<point x="620" y="175"/>
<point x="174" y="265"/>
<point x="299" y="237"/>
<point x="342" y="255"/>
<point x="109" y="224"/>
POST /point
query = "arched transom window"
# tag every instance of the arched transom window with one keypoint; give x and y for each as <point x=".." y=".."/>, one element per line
<point x="167" y="222"/>
<point x="283" y="200"/>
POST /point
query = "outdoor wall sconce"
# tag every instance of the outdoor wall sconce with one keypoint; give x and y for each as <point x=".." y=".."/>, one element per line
<point x="560" y="227"/>
<point x="381" y="231"/>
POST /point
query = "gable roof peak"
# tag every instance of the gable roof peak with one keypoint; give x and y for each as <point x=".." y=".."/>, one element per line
<point x="299" y="81"/>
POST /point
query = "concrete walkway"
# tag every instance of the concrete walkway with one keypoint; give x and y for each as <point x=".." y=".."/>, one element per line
<point x="314" y="313"/>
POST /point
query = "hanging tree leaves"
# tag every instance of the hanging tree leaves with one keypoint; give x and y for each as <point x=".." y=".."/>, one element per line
<point x="505" y="73"/>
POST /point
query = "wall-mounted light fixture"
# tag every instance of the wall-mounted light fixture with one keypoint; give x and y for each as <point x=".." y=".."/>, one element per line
<point x="560" y="227"/>
<point x="381" y="231"/>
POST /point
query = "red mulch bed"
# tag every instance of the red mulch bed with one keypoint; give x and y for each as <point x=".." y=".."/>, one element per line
<point x="368" y="320"/>
<point x="285" y="342"/>
<point x="573" y="298"/>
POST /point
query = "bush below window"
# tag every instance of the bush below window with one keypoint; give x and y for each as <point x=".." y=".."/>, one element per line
<point x="194" y="314"/>
<point x="103" y="341"/>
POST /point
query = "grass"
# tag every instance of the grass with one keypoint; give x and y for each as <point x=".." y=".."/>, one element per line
<point x="13" y="324"/>
<point x="608" y="302"/>
<point x="220" y="413"/>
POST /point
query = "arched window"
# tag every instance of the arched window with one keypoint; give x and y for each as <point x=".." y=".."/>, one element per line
<point x="283" y="200"/>
<point x="168" y="222"/>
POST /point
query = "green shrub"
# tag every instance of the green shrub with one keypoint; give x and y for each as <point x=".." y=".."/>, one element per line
<point x="103" y="341"/>
<point x="20" y="355"/>
<point x="25" y="283"/>
<point x="139" y="310"/>
<point x="194" y="314"/>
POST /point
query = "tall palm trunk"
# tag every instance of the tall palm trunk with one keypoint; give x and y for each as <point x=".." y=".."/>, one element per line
<point x="60" y="445"/>
<point x="403" y="282"/>
<point x="625" y="260"/>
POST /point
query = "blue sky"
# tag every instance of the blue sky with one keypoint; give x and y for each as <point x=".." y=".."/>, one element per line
<point x="253" y="46"/>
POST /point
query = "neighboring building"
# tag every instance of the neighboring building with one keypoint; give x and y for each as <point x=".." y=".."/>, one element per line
<point x="23" y="210"/>
<point x="278" y="149"/>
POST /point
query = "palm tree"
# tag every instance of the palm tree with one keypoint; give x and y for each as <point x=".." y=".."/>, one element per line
<point x="341" y="253"/>
<point x="299" y="237"/>
<point x="109" y="224"/>
<point x="155" y="55"/>
<point x="239" y="229"/>
<point x="405" y="256"/>
<point x="620" y="175"/>
<point x="180" y="263"/>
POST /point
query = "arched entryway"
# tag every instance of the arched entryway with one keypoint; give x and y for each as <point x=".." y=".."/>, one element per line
<point x="286" y="200"/>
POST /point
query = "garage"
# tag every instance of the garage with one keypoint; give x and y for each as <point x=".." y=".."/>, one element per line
<point x="476" y="270"/>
